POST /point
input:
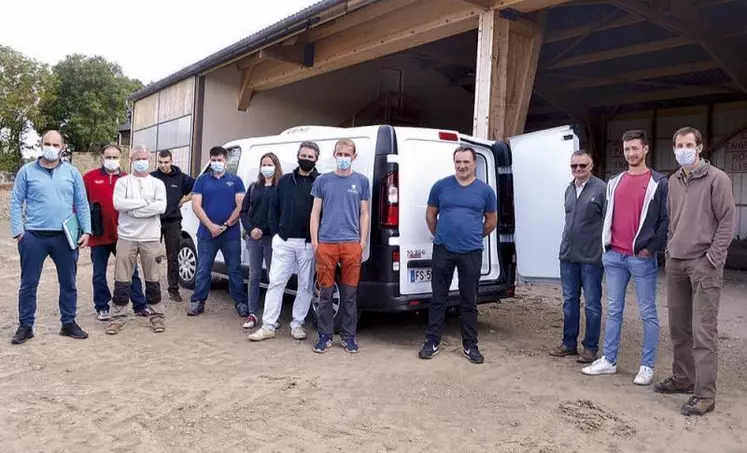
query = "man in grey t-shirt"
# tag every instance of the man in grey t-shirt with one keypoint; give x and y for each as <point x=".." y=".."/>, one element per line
<point x="339" y="230"/>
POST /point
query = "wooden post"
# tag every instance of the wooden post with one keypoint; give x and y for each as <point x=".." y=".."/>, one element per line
<point x="507" y="58"/>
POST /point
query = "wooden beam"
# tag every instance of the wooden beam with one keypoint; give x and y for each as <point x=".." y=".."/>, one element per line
<point x="589" y="31"/>
<point x="411" y="26"/>
<point x="685" y="19"/>
<point x="570" y="33"/>
<point x="299" y="54"/>
<point x="620" y="52"/>
<point x="661" y="95"/>
<point x="528" y="6"/>
<point x="491" y="76"/>
<point x="245" y="92"/>
<point x="525" y="44"/>
<point x="355" y="19"/>
<point x="646" y="74"/>
<point x="486" y="4"/>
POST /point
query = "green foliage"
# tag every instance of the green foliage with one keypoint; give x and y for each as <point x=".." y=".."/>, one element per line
<point x="22" y="80"/>
<point x="86" y="101"/>
<point x="10" y="161"/>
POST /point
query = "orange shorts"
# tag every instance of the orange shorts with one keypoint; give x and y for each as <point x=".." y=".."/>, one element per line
<point x="348" y="254"/>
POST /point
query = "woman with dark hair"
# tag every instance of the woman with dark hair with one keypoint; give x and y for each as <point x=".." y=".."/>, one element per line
<point x="254" y="212"/>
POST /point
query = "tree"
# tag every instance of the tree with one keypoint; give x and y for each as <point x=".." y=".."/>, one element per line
<point x="87" y="101"/>
<point x="22" y="82"/>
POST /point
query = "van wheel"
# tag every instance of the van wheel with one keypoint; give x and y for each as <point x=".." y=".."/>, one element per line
<point x="337" y="320"/>
<point x="187" y="264"/>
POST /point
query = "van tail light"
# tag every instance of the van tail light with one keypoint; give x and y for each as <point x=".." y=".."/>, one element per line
<point x="389" y="201"/>
<point x="395" y="261"/>
<point x="449" y="136"/>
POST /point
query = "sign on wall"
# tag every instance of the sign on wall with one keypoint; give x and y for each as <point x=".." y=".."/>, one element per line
<point x="735" y="154"/>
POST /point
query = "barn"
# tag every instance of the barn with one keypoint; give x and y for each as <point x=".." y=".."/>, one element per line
<point x="491" y="68"/>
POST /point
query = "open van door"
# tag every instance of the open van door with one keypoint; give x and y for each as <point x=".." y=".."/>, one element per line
<point x="541" y="174"/>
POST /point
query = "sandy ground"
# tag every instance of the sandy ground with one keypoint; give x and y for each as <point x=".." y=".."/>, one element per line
<point x="201" y="386"/>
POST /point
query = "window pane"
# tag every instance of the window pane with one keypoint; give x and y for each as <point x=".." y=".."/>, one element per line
<point x="145" y="137"/>
<point x="175" y="134"/>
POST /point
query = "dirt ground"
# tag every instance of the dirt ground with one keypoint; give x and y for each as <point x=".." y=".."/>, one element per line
<point x="201" y="386"/>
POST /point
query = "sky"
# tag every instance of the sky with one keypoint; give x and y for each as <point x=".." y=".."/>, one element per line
<point x="150" y="39"/>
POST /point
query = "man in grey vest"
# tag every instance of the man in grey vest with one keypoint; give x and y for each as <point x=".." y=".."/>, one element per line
<point x="581" y="259"/>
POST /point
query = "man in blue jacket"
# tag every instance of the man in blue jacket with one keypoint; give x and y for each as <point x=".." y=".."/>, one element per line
<point x="50" y="191"/>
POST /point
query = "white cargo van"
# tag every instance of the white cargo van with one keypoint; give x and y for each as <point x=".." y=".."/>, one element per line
<point x="529" y="174"/>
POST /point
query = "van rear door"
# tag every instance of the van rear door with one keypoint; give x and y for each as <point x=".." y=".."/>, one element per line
<point x="541" y="174"/>
<point x="424" y="157"/>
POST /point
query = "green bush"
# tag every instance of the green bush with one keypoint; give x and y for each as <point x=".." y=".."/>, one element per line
<point x="10" y="161"/>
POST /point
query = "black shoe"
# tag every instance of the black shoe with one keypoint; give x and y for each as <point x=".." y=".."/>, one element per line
<point x="22" y="334"/>
<point x="473" y="354"/>
<point x="73" y="330"/>
<point x="175" y="296"/>
<point x="430" y="348"/>
<point x="242" y="310"/>
<point x="195" y="308"/>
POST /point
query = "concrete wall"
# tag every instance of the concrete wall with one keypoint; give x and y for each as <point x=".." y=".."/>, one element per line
<point x="325" y="100"/>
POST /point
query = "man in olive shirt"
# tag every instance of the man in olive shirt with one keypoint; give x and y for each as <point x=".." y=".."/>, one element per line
<point x="701" y="227"/>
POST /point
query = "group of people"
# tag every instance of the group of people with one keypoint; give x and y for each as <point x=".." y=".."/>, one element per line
<point x="617" y="229"/>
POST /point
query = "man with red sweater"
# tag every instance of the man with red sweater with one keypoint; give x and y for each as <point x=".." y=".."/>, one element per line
<point x="99" y="185"/>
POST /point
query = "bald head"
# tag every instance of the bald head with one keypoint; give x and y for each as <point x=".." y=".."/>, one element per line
<point x="53" y="138"/>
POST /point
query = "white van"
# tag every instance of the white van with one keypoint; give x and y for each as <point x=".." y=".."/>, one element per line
<point x="529" y="174"/>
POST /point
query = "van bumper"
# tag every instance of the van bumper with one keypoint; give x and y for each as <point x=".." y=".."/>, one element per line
<point x="385" y="297"/>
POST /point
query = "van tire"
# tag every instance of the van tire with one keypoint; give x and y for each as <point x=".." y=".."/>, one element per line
<point x="187" y="263"/>
<point x="337" y="322"/>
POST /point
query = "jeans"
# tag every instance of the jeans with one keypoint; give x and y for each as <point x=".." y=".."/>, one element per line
<point x="469" y="266"/>
<point x="619" y="269"/>
<point x="206" y="251"/>
<point x="574" y="277"/>
<point x="101" y="294"/>
<point x="34" y="250"/>
<point x="293" y="255"/>
<point x="172" y="238"/>
<point x="259" y="251"/>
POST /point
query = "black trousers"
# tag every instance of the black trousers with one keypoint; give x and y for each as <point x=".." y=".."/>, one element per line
<point x="468" y="265"/>
<point x="172" y="237"/>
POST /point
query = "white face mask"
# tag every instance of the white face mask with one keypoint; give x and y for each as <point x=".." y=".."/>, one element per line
<point x="111" y="164"/>
<point x="50" y="153"/>
<point x="218" y="166"/>
<point x="268" y="171"/>
<point x="140" y="166"/>
<point x="685" y="156"/>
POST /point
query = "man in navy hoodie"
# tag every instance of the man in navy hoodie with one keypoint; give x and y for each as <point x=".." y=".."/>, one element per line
<point x="178" y="191"/>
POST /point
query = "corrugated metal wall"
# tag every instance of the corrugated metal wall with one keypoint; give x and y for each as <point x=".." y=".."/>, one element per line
<point x="725" y="120"/>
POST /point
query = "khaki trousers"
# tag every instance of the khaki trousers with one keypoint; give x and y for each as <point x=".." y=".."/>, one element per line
<point x="127" y="254"/>
<point x="693" y="295"/>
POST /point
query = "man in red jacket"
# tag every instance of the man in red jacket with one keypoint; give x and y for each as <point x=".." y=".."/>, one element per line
<point x="99" y="185"/>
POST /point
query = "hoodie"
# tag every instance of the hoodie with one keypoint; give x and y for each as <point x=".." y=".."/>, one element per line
<point x="178" y="185"/>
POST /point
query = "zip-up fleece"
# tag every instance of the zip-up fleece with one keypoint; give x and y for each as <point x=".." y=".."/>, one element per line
<point x="140" y="201"/>
<point x="104" y="218"/>
<point x="702" y="212"/>
<point x="282" y="207"/>
<point x="652" y="229"/>
<point x="584" y="217"/>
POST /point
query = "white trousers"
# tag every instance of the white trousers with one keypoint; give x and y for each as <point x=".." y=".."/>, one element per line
<point x="293" y="255"/>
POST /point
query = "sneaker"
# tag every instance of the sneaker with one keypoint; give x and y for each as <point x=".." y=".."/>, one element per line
<point x="563" y="351"/>
<point x="350" y="345"/>
<point x="263" y="333"/>
<point x="601" y="366"/>
<point x="645" y="376"/>
<point x="430" y="349"/>
<point x="698" y="406"/>
<point x="323" y="344"/>
<point x="673" y="385"/>
<point x="297" y="333"/>
<point x="473" y="354"/>
<point x="103" y="314"/>
<point x="157" y="323"/>
<point x="242" y="310"/>
<point x="195" y="308"/>
<point x="22" y="334"/>
<point x="73" y="330"/>
<point x="145" y="312"/>
<point x="175" y="296"/>
<point x="251" y="321"/>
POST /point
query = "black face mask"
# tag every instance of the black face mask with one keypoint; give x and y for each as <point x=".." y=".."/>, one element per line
<point x="306" y="165"/>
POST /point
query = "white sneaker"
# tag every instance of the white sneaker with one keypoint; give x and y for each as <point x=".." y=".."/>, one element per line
<point x="102" y="315"/>
<point x="298" y="333"/>
<point x="645" y="376"/>
<point x="263" y="333"/>
<point x="251" y="321"/>
<point x="601" y="366"/>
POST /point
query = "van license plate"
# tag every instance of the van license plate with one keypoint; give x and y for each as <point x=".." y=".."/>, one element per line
<point x="420" y="275"/>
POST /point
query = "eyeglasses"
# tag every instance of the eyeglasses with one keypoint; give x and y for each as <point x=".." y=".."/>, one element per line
<point x="581" y="166"/>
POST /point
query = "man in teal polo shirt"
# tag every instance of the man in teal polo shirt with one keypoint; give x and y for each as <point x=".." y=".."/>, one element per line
<point x="216" y="201"/>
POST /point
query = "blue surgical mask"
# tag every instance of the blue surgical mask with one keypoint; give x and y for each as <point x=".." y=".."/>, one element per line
<point x="50" y="153"/>
<point x="140" y="166"/>
<point x="218" y="167"/>
<point x="344" y="163"/>
<point x="685" y="156"/>
<point x="268" y="171"/>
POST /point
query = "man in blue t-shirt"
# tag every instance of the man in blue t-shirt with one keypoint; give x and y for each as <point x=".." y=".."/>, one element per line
<point x="461" y="211"/>
<point x="339" y="232"/>
<point x="216" y="201"/>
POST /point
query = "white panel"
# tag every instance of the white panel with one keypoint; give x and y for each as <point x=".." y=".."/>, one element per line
<point x="539" y="208"/>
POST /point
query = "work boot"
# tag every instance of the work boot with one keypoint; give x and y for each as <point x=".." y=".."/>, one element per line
<point x="563" y="351"/>
<point x="22" y="334"/>
<point x="157" y="323"/>
<point x="195" y="308"/>
<point x="698" y="406"/>
<point x="73" y="330"/>
<point x="587" y="356"/>
<point x="672" y="385"/>
<point x="175" y="296"/>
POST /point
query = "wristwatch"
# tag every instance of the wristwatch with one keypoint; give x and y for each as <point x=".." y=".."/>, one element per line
<point x="225" y="224"/>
